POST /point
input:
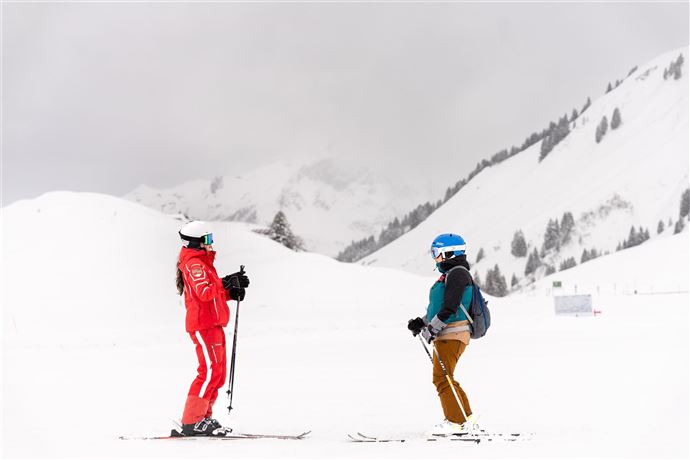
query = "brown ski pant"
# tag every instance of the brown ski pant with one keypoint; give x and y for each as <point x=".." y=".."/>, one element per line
<point x="450" y="351"/>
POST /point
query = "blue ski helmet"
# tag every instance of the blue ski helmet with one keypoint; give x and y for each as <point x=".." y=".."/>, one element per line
<point x="448" y="242"/>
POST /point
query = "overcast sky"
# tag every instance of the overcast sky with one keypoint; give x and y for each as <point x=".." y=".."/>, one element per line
<point x="103" y="96"/>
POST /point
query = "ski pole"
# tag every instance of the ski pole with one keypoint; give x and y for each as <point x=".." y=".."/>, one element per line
<point x="231" y="378"/>
<point x="445" y="371"/>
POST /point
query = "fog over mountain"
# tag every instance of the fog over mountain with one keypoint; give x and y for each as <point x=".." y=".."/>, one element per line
<point x="108" y="96"/>
<point x="328" y="202"/>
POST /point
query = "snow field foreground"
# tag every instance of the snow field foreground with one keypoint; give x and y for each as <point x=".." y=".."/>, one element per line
<point x="94" y="344"/>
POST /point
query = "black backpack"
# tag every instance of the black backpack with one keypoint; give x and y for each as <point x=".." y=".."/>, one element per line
<point x="478" y="314"/>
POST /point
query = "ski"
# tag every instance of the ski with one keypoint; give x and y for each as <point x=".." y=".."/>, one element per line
<point x="272" y="436"/>
<point x="481" y="434"/>
<point x="474" y="437"/>
<point x="230" y="436"/>
<point x="359" y="437"/>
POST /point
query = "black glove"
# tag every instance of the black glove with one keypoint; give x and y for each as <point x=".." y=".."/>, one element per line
<point x="416" y="325"/>
<point x="237" y="279"/>
<point x="237" y="293"/>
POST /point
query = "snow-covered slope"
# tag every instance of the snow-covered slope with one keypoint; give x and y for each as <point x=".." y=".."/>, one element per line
<point x="93" y="346"/>
<point x="634" y="176"/>
<point x="348" y="201"/>
<point x="640" y="270"/>
<point x="116" y="260"/>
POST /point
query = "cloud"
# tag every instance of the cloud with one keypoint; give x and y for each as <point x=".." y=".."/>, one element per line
<point x="104" y="96"/>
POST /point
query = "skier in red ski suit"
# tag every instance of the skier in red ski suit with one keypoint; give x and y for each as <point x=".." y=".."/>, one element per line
<point x="205" y="296"/>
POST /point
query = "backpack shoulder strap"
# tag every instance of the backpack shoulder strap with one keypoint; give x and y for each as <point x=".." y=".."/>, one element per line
<point x="464" y="310"/>
<point x="445" y="275"/>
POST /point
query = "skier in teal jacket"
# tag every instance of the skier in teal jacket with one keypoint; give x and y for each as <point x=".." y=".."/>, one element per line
<point x="446" y="325"/>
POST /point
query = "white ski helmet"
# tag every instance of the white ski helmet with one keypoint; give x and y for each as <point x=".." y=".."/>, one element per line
<point x="196" y="232"/>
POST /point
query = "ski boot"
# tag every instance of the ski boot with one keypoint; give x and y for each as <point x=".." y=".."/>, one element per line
<point x="216" y="425"/>
<point x="448" y="428"/>
<point x="205" y="427"/>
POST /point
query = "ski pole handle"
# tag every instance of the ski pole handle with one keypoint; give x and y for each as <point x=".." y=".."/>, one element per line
<point x="234" y="280"/>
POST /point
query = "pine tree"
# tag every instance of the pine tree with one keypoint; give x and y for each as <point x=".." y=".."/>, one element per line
<point x="635" y="237"/>
<point x="680" y="225"/>
<point x="660" y="227"/>
<point x="546" y="147"/>
<point x="500" y="281"/>
<point x="550" y="270"/>
<point x="489" y="285"/>
<point x="632" y="239"/>
<point x="685" y="204"/>
<point x="552" y="236"/>
<point x="495" y="282"/>
<point x="601" y="129"/>
<point x="554" y="134"/>
<point x="480" y="255"/>
<point x="677" y="71"/>
<point x="568" y="263"/>
<point x="519" y="246"/>
<point x="513" y="281"/>
<point x="608" y="88"/>
<point x="533" y="262"/>
<point x="573" y="116"/>
<point x="585" y="256"/>
<point x="357" y="250"/>
<point x="567" y="226"/>
<point x="675" y="68"/>
<point x="616" y="118"/>
<point x="588" y="255"/>
<point x="586" y="106"/>
<point x="390" y="233"/>
<point x="281" y="232"/>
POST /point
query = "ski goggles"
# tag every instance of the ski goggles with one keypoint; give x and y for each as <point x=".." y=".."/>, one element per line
<point x="207" y="239"/>
<point x="435" y="252"/>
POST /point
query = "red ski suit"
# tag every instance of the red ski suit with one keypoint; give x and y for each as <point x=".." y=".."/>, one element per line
<point x="207" y="314"/>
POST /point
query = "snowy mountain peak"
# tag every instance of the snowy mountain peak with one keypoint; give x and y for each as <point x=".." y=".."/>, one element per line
<point x="348" y="200"/>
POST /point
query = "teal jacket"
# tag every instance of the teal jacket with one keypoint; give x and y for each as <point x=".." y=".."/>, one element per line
<point x="453" y="288"/>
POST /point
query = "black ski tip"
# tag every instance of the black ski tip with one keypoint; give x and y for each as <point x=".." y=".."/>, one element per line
<point x="176" y="434"/>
